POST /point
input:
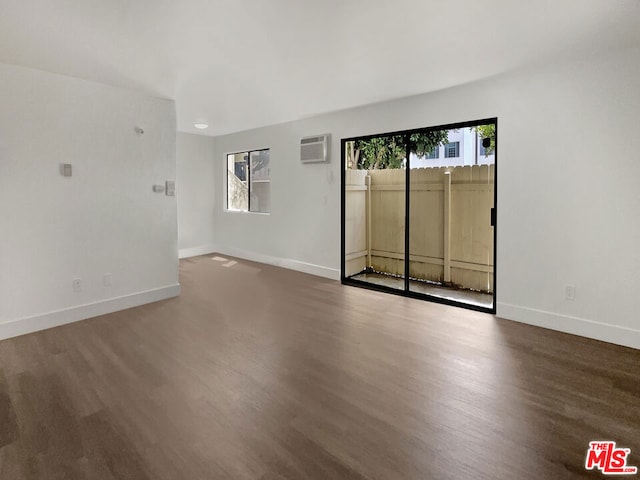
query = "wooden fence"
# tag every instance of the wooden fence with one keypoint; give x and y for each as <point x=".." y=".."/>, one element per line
<point x="451" y="237"/>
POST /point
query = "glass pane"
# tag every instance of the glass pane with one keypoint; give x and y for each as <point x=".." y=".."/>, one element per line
<point x="452" y="150"/>
<point x="260" y="182"/>
<point x="237" y="188"/>
<point x="375" y="210"/>
<point x="451" y="237"/>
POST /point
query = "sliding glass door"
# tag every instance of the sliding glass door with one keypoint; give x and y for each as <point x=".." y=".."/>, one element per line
<point x="419" y="213"/>
<point x="375" y="212"/>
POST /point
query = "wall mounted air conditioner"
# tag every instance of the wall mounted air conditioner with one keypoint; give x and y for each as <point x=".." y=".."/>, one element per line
<point x="315" y="149"/>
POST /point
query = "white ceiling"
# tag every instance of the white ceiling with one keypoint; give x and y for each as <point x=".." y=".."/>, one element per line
<point x="239" y="64"/>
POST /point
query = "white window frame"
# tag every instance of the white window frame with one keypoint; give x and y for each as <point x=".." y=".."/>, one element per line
<point x="455" y="145"/>
<point x="248" y="182"/>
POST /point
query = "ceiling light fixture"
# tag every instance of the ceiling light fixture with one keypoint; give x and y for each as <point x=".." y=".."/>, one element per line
<point x="201" y="126"/>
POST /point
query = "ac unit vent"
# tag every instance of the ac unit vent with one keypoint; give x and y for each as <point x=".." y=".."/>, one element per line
<point x="314" y="149"/>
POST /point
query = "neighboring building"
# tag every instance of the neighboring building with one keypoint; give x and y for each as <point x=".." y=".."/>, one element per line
<point x="464" y="148"/>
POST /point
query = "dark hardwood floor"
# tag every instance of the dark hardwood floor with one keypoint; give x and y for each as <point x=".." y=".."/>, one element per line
<point x="260" y="373"/>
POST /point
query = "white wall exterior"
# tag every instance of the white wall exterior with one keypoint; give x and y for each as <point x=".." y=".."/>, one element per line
<point x="467" y="152"/>
<point x="196" y="199"/>
<point x="567" y="189"/>
<point x="103" y="219"/>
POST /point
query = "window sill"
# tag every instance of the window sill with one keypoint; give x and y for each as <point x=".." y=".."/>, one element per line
<point x="246" y="212"/>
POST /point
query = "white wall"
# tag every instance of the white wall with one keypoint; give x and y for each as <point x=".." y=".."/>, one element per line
<point x="567" y="190"/>
<point x="103" y="219"/>
<point x="196" y="200"/>
<point x="303" y="229"/>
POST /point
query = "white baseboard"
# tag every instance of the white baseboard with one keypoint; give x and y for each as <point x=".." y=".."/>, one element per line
<point x="318" y="270"/>
<point x="196" y="251"/>
<point x="605" y="332"/>
<point x="14" y="328"/>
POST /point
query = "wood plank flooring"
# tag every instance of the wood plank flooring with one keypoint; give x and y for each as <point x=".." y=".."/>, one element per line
<point x="255" y="372"/>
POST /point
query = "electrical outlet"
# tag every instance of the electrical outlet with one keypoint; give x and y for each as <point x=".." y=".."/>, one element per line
<point x="106" y="279"/>
<point x="569" y="292"/>
<point x="77" y="285"/>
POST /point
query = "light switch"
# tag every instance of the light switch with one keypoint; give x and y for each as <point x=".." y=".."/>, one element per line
<point x="65" y="169"/>
<point x="158" y="188"/>
<point x="170" y="188"/>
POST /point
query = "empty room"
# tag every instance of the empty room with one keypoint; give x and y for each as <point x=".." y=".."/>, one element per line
<point x="266" y="240"/>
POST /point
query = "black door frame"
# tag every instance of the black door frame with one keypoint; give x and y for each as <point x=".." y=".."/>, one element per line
<point x="406" y="292"/>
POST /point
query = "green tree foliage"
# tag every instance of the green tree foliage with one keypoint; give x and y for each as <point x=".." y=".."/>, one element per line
<point x="381" y="152"/>
<point x="390" y="151"/>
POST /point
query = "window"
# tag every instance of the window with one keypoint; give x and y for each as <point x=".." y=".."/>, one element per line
<point x="452" y="150"/>
<point x="249" y="181"/>
<point x="433" y="153"/>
